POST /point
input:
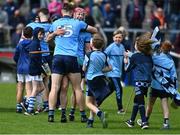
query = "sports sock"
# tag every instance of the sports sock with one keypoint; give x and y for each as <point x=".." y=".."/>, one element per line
<point x="45" y="104"/>
<point x="18" y="107"/>
<point x="166" y="120"/>
<point x="142" y="113"/>
<point x="72" y="111"/>
<point x="31" y="104"/>
<point x="63" y="112"/>
<point x="83" y="113"/>
<point x="99" y="113"/>
<point x="134" y="112"/>
<point x="51" y="113"/>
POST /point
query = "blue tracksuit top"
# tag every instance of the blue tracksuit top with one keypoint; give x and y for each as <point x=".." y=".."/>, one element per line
<point x="21" y="57"/>
<point x="35" y="59"/>
<point x="141" y="65"/>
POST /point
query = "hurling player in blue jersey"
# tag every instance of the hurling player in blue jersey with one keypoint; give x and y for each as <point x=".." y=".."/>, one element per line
<point x="83" y="46"/>
<point x="115" y="53"/>
<point x="43" y="16"/>
<point x="65" y="32"/>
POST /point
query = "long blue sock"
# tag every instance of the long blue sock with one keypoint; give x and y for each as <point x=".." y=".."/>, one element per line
<point x="45" y="104"/>
<point x="134" y="112"/>
<point x="142" y="113"/>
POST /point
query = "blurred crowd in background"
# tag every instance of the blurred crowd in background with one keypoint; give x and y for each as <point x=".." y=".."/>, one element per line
<point x="130" y="15"/>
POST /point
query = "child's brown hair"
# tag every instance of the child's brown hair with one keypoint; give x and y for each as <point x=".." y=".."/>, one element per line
<point x="166" y="46"/>
<point x="143" y="43"/>
<point x="98" y="41"/>
<point x="27" y="32"/>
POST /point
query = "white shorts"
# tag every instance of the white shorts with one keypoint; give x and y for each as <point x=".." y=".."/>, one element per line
<point x="37" y="78"/>
<point x="24" y="78"/>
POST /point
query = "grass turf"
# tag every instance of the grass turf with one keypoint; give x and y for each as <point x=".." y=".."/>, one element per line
<point x="13" y="123"/>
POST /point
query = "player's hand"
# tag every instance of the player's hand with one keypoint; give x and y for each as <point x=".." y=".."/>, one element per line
<point x="59" y="32"/>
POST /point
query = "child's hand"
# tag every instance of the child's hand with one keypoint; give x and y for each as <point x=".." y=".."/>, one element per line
<point x="126" y="54"/>
<point x="126" y="60"/>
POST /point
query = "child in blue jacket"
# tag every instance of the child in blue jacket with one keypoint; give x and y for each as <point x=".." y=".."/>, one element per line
<point x="141" y="64"/>
<point x="35" y="68"/>
<point x="21" y="57"/>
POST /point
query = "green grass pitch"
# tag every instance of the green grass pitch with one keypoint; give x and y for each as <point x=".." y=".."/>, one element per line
<point x="13" y="123"/>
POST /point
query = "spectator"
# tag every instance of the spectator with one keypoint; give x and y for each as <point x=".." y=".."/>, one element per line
<point x="55" y="7"/>
<point x="16" y="19"/>
<point x="174" y="17"/>
<point x="17" y="35"/>
<point x="33" y="13"/>
<point x="3" y="23"/>
<point x="158" y="19"/>
<point x="97" y="13"/>
<point x="81" y="3"/>
<point x="10" y="8"/>
<point x="109" y="17"/>
<point x="135" y="14"/>
<point x="89" y="19"/>
<point x="116" y="7"/>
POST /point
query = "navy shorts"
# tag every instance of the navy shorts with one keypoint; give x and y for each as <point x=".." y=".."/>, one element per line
<point x="98" y="88"/>
<point x="159" y="93"/>
<point x="63" y="64"/>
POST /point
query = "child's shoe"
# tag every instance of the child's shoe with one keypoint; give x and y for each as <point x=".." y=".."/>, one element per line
<point x="129" y="123"/>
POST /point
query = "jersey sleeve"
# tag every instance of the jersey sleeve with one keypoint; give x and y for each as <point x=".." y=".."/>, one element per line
<point x="131" y="64"/>
<point x="83" y="25"/>
<point x="108" y="50"/>
<point x="51" y="29"/>
<point x="88" y="38"/>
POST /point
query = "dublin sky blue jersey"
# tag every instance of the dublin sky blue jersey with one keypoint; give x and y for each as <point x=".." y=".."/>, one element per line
<point x="46" y="26"/>
<point x="164" y="71"/>
<point x="68" y="43"/>
<point x="84" y="38"/>
<point x="95" y="62"/>
<point x="115" y="54"/>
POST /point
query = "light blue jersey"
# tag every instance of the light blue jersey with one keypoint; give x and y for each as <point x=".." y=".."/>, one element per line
<point x="164" y="72"/>
<point x="68" y="43"/>
<point x="115" y="53"/>
<point x="95" y="62"/>
<point x="33" y="25"/>
<point x="84" y="38"/>
<point x="46" y="26"/>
